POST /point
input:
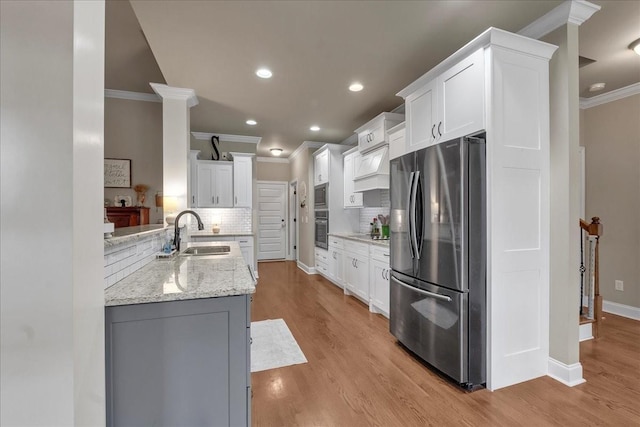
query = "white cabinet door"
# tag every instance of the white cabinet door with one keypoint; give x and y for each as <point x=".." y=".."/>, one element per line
<point x="215" y="189"/>
<point x="242" y="182"/>
<point x="351" y="198"/>
<point x="356" y="275"/>
<point x="193" y="179"/>
<point x="461" y="91"/>
<point x="321" y="168"/>
<point x="379" y="276"/>
<point x="339" y="266"/>
<point x="206" y="178"/>
<point x="223" y="185"/>
<point x="421" y="110"/>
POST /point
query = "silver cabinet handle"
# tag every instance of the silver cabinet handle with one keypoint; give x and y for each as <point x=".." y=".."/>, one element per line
<point x="433" y="128"/>
<point x="439" y="126"/>
<point x="236" y="199"/>
<point x="193" y="199"/>
<point x="422" y="291"/>
<point x="213" y="200"/>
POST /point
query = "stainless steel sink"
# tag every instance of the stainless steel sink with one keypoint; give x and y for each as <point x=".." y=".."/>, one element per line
<point x="207" y="250"/>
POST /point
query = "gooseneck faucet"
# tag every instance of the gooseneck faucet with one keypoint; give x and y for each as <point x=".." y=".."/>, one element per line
<point x="176" y="228"/>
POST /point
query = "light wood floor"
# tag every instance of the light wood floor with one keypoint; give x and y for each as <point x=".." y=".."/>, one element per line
<point x="358" y="375"/>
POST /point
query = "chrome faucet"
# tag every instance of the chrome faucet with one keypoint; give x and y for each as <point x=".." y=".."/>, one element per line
<point x="176" y="229"/>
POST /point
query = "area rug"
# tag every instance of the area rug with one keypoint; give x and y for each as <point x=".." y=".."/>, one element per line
<point x="273" y="346"/>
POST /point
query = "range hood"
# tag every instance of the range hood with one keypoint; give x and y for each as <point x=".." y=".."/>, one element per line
<point x="372" y="170"/>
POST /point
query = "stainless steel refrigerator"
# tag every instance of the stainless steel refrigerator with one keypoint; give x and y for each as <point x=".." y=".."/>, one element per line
<point x="438" y="257"/>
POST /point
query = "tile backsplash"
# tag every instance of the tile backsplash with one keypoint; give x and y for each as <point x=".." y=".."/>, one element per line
<point x="367" y="214"/>
<point x="232" y="220"/>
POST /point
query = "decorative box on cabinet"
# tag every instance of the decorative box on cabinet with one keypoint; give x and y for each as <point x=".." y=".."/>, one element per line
<point x="128" y="216"/>
<point x="397" y="141"/>
<point x="374" y="133"/>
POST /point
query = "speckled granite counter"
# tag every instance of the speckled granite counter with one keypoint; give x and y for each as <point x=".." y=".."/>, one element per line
<point x="184" y="278"/>
<point x="363" y="238"/>
<point x="131" y="234"/>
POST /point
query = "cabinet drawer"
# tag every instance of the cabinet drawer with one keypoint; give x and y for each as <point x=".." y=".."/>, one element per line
<point x="322" y="268"/>
<point x="379" y="253"/>
<point x="322" y="256"/>
<point x="356" y="248"/>
<point x="244" y="241"/>
<point x="336" y="242"/>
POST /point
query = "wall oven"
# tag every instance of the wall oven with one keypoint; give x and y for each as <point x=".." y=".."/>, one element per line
<point x="321" y="197"/>
<point x="322" y="229"/>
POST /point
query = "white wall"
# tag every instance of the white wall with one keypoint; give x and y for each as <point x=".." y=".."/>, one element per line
<point x="51" y="298"/>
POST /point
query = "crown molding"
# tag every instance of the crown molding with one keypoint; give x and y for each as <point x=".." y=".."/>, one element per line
<point x="206" y="136"/>
<point x="179" y="93"/>
<point x="272" y="159"/>
<point x="571" y="11"/>
<point x="303" y="146"/>
<point x="611" y="96"/>
<point x="131" y="96"/>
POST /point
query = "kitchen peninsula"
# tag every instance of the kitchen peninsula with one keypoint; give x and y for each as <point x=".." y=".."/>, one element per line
<point x="178" y="340"/>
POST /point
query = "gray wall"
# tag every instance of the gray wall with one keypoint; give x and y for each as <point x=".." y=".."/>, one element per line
<point x="133" y="130"/>
<point x="268" y="171"/>
<point x="611" y="137"/>
<point x="300" y="170"/>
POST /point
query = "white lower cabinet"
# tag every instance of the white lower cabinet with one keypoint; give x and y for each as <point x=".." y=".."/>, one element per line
<point x="379" y="275"/>
<point x="361" y="269"/>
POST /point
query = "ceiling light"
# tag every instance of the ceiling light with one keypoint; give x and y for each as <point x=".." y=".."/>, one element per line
<point x="356" y="87"/>
<point x="315" y="128"/>
<point x="596" y="87"/>
<point x="635" y="46"/>
<point x="276" y="151"/>
<point x="264" y="73"/>
<point x="251" y="122"/>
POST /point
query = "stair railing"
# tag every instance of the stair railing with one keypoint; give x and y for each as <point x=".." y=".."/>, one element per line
<point x="589" y="274"/>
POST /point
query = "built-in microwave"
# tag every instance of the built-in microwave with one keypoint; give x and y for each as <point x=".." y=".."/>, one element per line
<point x="321" y="197"/>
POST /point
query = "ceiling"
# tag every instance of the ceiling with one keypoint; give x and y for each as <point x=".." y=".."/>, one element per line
<point x="317" y="48"/>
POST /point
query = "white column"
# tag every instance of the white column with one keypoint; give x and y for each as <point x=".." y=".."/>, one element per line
<point x="51" y="256"/>
<point x="176" y="124"/>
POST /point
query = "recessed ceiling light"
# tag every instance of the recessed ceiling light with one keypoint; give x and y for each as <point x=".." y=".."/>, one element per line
<point x="251" y="122"/>
<point x="635" y="46"/>
<point x="356" y="87"/>
<point x="596" y="87"/>
<point x="264" y="73"/>
<point x="315" y="128"/>
<point x="276" y="151"/>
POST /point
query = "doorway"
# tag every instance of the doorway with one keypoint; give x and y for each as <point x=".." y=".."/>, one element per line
<point x="272" y="220"/>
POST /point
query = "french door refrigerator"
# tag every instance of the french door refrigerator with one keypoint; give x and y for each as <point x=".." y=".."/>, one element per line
<point x="438" y="257"/>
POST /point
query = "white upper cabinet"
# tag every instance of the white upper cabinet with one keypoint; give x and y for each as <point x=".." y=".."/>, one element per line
<point x="374" y="133"/>
<point x="449" y="106"/>
<point x="397" y="140"/>
<point x="214" y="184"/>
<point x="242" y="180"/>
<point x="351" y="198"/>
<point x="321" y="167"/>
<point x="193" y="179"/>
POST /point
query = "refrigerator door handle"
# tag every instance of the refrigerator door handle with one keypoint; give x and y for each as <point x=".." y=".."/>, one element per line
<point x="422" y="291"/>
<point x="414" y="231"/>
<point x="409" y="210"/>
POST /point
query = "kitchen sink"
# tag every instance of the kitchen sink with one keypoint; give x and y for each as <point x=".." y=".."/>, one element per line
<point x="207" y="250"/>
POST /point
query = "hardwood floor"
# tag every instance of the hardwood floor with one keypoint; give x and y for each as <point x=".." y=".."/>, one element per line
<point x="357" y="375"/>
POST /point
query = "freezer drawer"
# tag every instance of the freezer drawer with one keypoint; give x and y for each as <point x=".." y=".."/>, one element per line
<point x="432" y="322"/>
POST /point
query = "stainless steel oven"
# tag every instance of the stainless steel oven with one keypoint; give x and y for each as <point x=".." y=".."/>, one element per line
<point x="321" y="197"/>
<point x="322" y="229"/>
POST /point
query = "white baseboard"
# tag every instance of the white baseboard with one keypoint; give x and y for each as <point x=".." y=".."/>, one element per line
<point x="570" y="375"/>
<point x="306" y="268"/>
<point x="586" y="332"/>
<point x="621" y="310"/>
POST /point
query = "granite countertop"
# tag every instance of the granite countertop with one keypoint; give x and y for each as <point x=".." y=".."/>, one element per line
<point x="363" y="238"/>
<point x="185" y="278"/>
<point x="128" y="234"/>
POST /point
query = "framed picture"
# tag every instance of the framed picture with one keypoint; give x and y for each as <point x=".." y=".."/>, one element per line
<point x="117" y="173"/>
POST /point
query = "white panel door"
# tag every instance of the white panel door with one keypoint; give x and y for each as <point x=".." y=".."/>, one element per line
<point x="272" y="205"/>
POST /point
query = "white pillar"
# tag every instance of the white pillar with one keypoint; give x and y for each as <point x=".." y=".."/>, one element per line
<point x="176" y="141"/>
<point x="51" y="256"/>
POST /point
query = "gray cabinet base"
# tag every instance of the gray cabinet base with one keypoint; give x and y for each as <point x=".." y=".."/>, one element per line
<point x="179" y="363"/>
